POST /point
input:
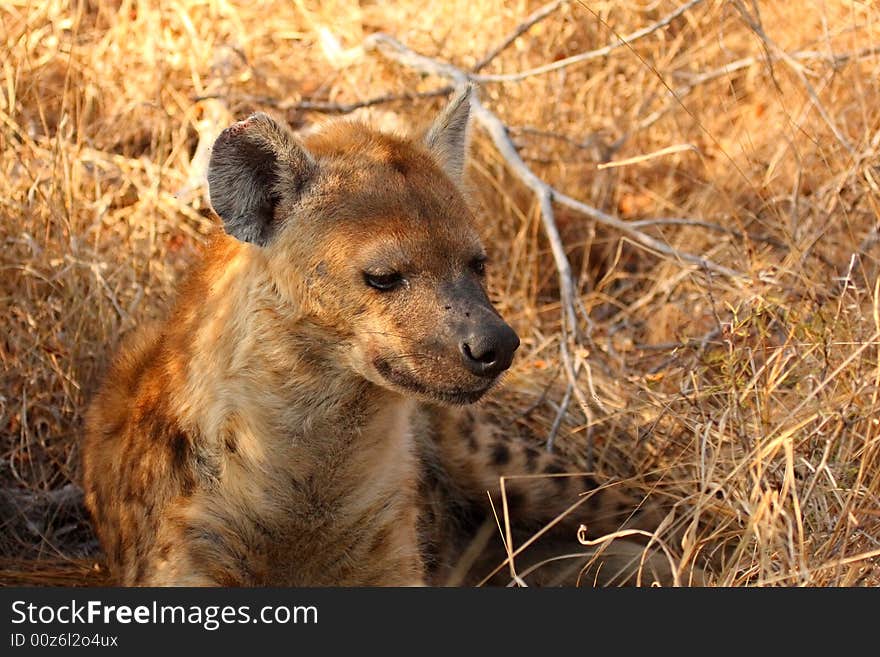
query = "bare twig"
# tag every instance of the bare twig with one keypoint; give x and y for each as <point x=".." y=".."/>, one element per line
<point x="345" y="108"/>
<point x="697" y="223"/>
<point x="591" y="54"/>
<point x="637" y="159"/>
<point x="394" y="50"/>
<point x="327" y="106"/>
<point x="754" y="23"/>
<point x="560" y="414"/>
<point x="834" y="61"/>
<point x="535" y="17"/>
<point x="708" y="225"/>
<point x="643" y="239"/>
<point x="695" y="80"/>
<point x="583" y="144"/>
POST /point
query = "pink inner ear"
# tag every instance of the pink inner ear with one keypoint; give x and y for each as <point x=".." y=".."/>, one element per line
<point x="240" y="126"/>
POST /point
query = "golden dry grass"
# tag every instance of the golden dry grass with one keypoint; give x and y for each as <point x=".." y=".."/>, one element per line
<point x="749" y="404"/>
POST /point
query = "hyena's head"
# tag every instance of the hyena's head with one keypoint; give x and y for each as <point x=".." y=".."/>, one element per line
<point x="369" y="237"/>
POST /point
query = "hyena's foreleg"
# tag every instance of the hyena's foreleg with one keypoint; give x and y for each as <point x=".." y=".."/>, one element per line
<point x="546" y="497"/>
<point x="539" y="487"/>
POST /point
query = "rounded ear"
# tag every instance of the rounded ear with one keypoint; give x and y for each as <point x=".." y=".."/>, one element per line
<point x="447" y="138"/>
<point x="254" y="164"/>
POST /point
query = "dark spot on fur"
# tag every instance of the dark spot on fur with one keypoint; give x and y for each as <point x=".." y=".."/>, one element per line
<point x="554" y="468"/>
<point x="179" y="451"/>
<point x="465" y="428"/>
<point x="516" y="503"/>
<point x="500" y="454"/>
<point x="265" y="529"/>
<point x="532" y="456"/>
<point x="431" y="475"/>
<point x="399" y="164"/>
<point x="429" y="516"/>
<point x="468" y="518"/>
<point x="587" y="482"/>
<point x="204" y="536"/>
<point x="182" y="469"/>
<point x="466" y="422"/>
<point x="118" y="552"/>
<point x="380" y="538"/>
<point x="231" y="443"/>
<point x="141" y="571"/>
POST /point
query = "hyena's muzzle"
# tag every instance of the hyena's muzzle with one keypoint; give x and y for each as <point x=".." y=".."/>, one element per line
<point x="484" y="340"/>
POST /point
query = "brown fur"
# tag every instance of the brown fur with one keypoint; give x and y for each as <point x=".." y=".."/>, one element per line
<point x="290" y="425"/>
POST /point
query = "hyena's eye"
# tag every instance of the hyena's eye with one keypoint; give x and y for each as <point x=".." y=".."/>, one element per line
<point x="383" y="282"/>
<point x="478" y="265"/>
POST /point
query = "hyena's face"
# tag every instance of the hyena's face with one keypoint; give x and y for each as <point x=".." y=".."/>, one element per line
<point x="372" y="238"/>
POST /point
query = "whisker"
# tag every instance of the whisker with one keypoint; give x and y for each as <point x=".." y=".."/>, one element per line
<point x="393" y="335"/>
<point x="412" y="355"/>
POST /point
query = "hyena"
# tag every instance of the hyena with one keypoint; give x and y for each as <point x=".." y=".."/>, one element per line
<point x="303" y="416"/>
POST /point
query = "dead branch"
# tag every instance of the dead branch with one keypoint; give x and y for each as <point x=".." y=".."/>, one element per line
<point x="584" y="144"/>
<point x="327" y="107"/>
<point x="695" y="80"/>
<point x="26" y="514"/>
<point x="535" y="17"/>
<point x="769" y="45"/>
<point x="643" y="239"/>
<point x="347" y="108"/>
<point x="590" y="54"/>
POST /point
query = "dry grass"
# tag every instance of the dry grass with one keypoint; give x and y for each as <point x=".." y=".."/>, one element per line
<point x="751" y="405"/>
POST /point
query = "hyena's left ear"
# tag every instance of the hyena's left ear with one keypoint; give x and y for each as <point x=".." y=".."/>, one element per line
<point x="447" y="138"/>
<point x="254" y="164"/>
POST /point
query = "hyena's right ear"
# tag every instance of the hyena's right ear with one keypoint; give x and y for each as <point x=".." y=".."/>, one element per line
<point x="254" y="163"/>
<point x="447" y="138"/>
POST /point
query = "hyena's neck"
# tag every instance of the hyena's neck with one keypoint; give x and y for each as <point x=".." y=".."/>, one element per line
<point x="252" y="359"/>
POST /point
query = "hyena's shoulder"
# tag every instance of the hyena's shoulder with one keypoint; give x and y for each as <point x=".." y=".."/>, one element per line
<point x="132" y="415"/>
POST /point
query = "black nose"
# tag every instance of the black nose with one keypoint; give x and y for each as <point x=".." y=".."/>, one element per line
<point x="488" y="351"/>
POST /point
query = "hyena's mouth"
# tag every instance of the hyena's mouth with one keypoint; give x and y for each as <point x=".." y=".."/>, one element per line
<point x="409" y="382"/>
